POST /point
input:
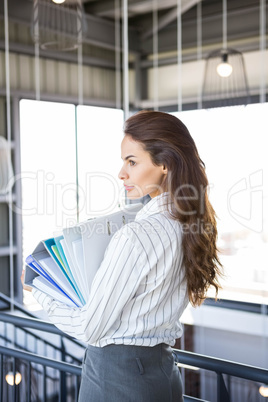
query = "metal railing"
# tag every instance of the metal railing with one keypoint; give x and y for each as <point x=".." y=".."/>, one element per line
<point x="32" y="359"/>
<point x="220" y="367"/>
<point x="237" y="305"/>
<point x="29" y="360"/>
<point x="30" y="336"/>
<point x="35" y="323"/>
<point x="21" y="323"/>
<point x="8" y="303"/>
<point x="15" y="335"/>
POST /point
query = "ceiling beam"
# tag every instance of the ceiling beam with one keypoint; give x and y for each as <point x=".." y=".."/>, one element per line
<point x="100" y="32"/>
<point x="169" y="17"/>
<point x="135" y="7"/>
<point x="71" y="57"/>
<point x="239" y="33"/>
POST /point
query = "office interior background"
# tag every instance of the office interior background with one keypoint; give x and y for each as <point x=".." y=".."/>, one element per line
<point x="71" y="72"/>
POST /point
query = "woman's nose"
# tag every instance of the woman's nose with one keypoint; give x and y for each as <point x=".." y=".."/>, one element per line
<point x="122" y="174"/>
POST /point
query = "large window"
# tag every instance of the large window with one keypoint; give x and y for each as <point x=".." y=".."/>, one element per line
<point x="232" y="143"/>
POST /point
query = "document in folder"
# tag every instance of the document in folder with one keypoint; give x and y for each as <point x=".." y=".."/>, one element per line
<point x="37" y="274"/>
<point x="64" y="267"/>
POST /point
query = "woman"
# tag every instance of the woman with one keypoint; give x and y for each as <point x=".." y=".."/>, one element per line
<point x="151" y="269"/>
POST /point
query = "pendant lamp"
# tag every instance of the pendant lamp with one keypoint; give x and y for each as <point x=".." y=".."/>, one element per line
<point x="58" y="25"/>
<point x="225" y="80"/>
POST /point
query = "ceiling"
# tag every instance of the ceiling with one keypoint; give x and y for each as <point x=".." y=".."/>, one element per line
<point x="243" y="26"/>
<point x="101" y="20"/>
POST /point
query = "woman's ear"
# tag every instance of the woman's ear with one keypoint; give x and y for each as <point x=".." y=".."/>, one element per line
<point x="165" y="169"/>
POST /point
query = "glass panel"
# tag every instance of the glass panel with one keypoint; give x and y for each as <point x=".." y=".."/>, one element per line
<point x="48" y="167"/>
<point x="231" y="141"/>
<point x="100" y="132"/>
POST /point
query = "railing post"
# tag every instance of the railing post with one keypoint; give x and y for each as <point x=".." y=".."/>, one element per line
<point x="29" y="382"/>
<point x="76" y="391"/>
<point x="44" y="384"/>
<point x="63" y="393"/>
<point x="222" y="392"/>
<point x="13" y="388"/>
<point x="1" y="378"/>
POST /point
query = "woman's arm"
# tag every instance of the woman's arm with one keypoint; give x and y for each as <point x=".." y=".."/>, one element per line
<point x="114" y="285"/>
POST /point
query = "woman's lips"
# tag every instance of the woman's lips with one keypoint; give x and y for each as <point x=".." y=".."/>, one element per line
<point x="128" y="188"/>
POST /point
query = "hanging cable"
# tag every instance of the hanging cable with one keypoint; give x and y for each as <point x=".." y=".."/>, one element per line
<point x="117" y="54"/>
<point x="199" y="50"/>
<point x="262" y="50"/>
<point x="80" y="52"/>
<point x="179" y="55"/>
<point x="79" y="22"/>
<point x="8" y="117"/>
<point x="263" y="67"/>
<point x="155" y="54"/>
<point x="36" y="49"/>
<point x="224" y="24"/>
<point x="125" y="59"/>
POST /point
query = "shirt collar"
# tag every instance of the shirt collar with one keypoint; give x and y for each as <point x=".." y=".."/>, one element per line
<point x="154" y="206"/>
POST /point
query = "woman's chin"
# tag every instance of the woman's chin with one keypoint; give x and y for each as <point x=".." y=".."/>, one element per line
<point x="135" y="196"/>
<point x="132" y="196"/>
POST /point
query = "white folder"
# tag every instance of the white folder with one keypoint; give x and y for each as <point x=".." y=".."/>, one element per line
<point x="96" y="235"/>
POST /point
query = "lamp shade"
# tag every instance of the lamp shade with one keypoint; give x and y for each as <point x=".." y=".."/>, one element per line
<point x="225" y="81"/>
<point x="58" y="25"/>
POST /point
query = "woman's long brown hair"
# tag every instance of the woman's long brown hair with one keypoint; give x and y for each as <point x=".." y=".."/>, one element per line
<point x="169" y="143"/>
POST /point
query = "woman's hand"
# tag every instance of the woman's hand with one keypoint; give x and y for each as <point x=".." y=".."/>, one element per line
<point x="25" y="287"/>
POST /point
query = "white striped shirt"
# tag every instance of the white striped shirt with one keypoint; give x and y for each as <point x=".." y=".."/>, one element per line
<point x="139" y="291"/>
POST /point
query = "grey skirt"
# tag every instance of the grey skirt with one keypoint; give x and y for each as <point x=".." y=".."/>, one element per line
<point x="121" y="373"/>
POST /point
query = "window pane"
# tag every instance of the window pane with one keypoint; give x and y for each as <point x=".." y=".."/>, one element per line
<point x="48" y="169"/>
<point x="232" y="143"/>
<point x="100" y="132"/>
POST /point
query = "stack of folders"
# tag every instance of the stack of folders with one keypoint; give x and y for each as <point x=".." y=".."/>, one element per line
<point x="64" y="266"/>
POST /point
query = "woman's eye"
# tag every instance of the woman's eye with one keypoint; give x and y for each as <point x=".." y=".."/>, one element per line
<point x="132" y="163"/>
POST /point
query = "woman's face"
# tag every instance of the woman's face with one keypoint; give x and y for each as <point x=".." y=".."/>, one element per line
<point x="140" y="175"/>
